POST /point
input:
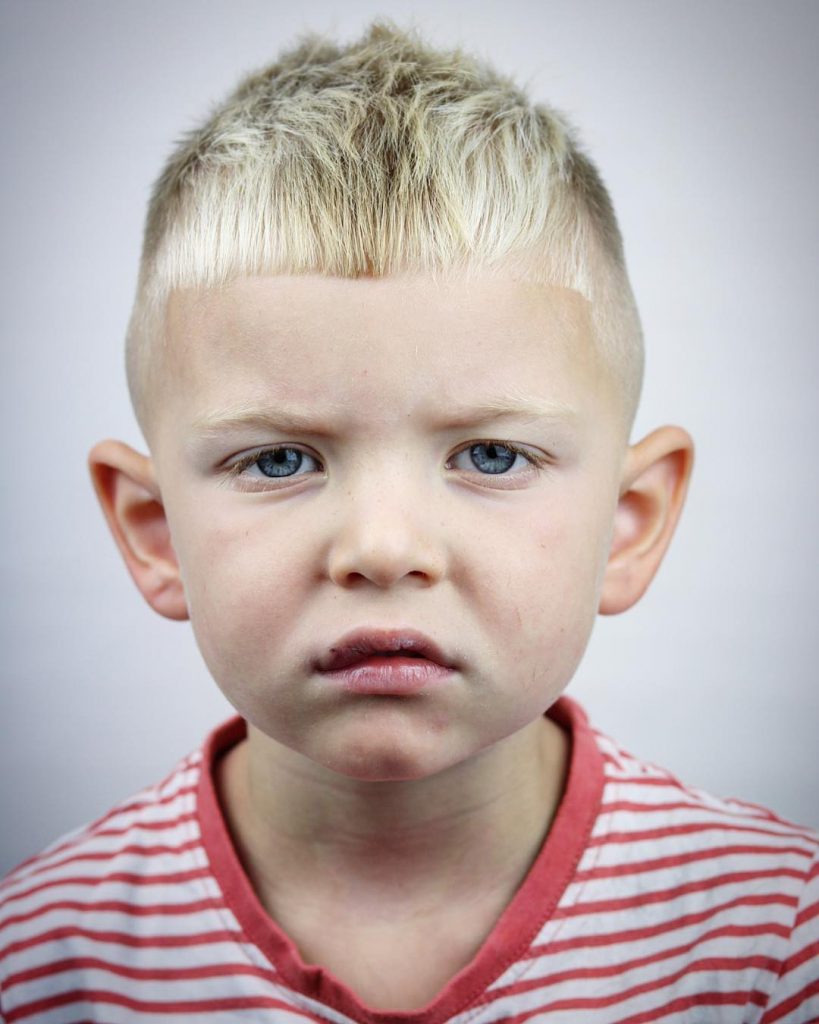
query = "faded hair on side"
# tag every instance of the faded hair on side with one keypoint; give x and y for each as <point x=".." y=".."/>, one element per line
<point x="385" y="156"/>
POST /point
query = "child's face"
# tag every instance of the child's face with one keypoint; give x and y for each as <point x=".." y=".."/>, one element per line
<point x="385" y="520"/>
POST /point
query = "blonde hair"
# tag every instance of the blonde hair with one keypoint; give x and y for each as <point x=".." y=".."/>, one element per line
<point x="381" y="157"/>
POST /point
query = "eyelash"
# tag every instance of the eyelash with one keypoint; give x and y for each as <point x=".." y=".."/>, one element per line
<point x="538" y="462"/>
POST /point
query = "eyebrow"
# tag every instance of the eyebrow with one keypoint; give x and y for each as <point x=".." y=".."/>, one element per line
<point x="291" y="419"/>
<point x="506" y="407"/>
<point x="279" y="417"/>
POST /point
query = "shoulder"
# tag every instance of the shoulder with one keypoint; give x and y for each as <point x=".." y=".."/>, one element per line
<point x="733" y="883"/>
<point x="649" y="818"/>
<point x="90" y="881"/>
<point x="645" y="802"/>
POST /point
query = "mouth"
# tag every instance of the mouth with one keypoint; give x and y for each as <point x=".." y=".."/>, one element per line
<point x="378" y="664"/>
<point x="360" y="646"/>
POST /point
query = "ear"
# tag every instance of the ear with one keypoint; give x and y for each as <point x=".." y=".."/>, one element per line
<point x="652" y="492"/>
<point x="127" y="490"/>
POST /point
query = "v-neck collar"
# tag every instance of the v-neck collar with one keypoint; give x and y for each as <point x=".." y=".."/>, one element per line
<point x="513" y="933"/>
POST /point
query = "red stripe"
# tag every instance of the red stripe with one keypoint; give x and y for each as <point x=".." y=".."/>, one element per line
<point x="620" y="776"/>
<point x="627" y="868"/>
<point x="623" y="762"/>
<point x="128" y="877"/>
<point x="93" y="828"/>
<point x="121" y="907"/>
<point x="621" y="966"/>
<point x="149" y="826"/>
<point x="186" y="1007"/>
<point x="220" y="970"/>
<point x="103" y="855"/>
<point x="801" y="957"/>
<point x="636" y="807"/>
<point x="142" y="805"/>
<point x="155" y="795"/>
<point x="690" y="827"/>
<point x="794" y="1002"/>
<point x="701" y="800"/>
<point x="684" y="921"/>
<point x="698" y="999"/>
<point x="204" y="938"/>
<point x="739" y="998"/>
<point x="666" y="895"/>
<point x="805" y="915"/>
<point x="652" y="781"/>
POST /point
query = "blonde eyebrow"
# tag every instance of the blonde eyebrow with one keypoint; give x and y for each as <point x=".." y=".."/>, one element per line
<point x="280" y="419"/>
<point x="295" y="420"/>
<point x="506" y="407"/>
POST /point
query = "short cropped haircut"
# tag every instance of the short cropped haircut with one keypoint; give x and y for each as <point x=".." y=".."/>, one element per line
<point x="385" y="156"/>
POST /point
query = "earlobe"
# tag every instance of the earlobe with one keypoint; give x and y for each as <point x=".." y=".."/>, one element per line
<point x="652" y="493"/>
<point x="127" y="490"/>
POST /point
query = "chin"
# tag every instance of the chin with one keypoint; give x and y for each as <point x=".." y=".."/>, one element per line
<point x="384" y="741"/>
<point x="384" y="759"/>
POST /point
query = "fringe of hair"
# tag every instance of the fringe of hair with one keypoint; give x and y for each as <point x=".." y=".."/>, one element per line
<point x="379" y="158"/>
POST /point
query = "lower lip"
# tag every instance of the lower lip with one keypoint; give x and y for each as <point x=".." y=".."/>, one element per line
<point x="397" y="677"/>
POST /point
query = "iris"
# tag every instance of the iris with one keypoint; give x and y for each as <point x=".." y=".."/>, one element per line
<point x="491" y="458"/>
<point x="280" y="461"/>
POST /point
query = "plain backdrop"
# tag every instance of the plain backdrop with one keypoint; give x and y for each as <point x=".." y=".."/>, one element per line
<point x="703" y="119"/>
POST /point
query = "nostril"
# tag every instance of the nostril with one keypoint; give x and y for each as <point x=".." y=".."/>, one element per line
<point x="362" y="556"/>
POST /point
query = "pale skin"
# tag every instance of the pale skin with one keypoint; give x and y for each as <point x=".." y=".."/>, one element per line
<point x="390" y="819"/>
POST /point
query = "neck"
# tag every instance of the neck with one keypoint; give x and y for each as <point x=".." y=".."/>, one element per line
<point x="474" y="828"/>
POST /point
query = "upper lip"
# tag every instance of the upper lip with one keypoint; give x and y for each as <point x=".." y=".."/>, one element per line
<point x="361" y="643"/>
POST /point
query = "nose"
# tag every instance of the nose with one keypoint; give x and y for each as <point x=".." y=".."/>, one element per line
<point x="385" y="536"/>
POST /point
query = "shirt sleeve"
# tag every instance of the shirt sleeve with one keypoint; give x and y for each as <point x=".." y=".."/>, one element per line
<point x="795" y="998"/>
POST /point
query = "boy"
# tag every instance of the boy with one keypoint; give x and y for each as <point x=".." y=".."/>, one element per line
<point x="386" y="360"/>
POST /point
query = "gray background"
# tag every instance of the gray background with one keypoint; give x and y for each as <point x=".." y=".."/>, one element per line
<point x="703" y="118"/>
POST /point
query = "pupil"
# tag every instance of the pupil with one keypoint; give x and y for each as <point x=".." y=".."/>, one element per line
<point x="279" y="462"/>
<point x="491" y="458"/>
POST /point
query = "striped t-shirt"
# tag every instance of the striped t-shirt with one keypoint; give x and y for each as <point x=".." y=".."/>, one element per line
<point x="649" y="901"/>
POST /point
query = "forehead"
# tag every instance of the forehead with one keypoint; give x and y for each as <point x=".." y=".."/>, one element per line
<point x="387" y="347"/>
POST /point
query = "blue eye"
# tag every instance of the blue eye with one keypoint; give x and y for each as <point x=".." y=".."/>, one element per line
<point x="500" y="460"/>
<point x="492" y="458"/>
<point x="276" y="464"/>
<point x="280" y="461"/>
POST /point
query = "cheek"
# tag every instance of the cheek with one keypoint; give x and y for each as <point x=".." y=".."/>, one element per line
<point x="546" y="592"/>
<point x="243" y="583"/>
